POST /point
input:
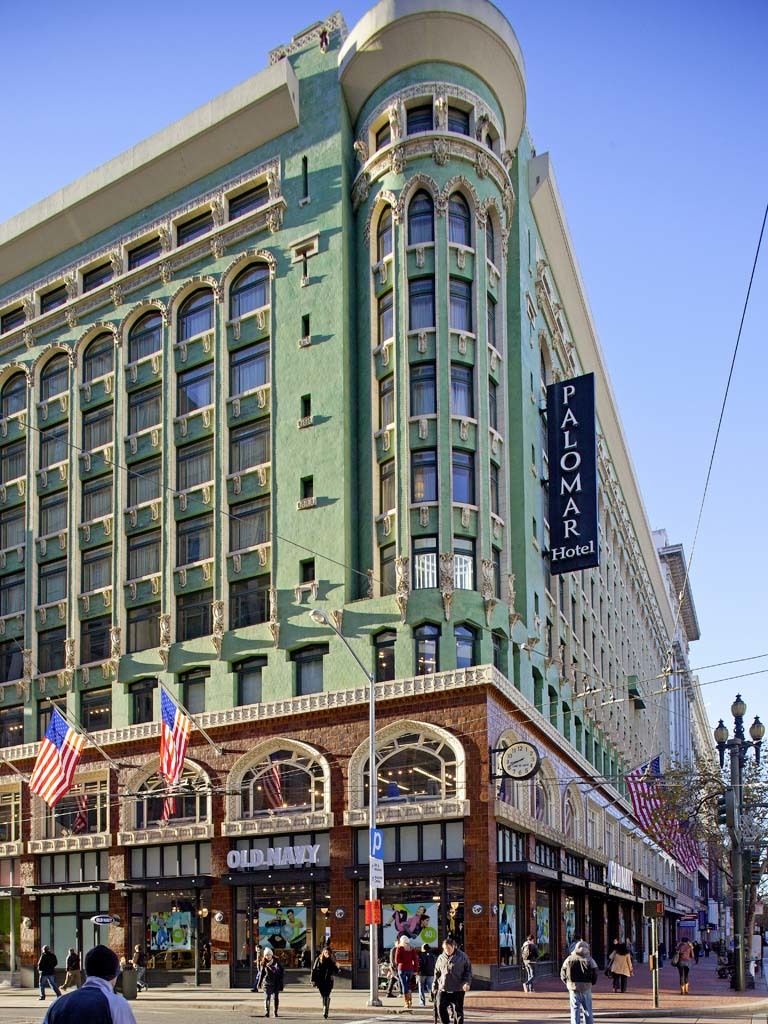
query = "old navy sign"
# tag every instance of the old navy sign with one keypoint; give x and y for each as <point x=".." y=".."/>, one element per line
<point x="275" y="857"/>
<point x="573" y="520"/>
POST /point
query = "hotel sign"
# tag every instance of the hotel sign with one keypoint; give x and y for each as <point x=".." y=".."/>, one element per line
<point x="275" y="857"/>
<point x="572" y="452"/>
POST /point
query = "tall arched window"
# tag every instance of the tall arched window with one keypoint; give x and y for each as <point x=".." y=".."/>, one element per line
<point x="415" y="766"/>
<point x="99" y="358"/>
<point x="250" y="290"/>
<point x="196" y="314"/>
<point x="540" y="803"/>
<point x="427" y="640"/>
<point x="285" y="780"/>
<point x="568" y="817"/>
<point x="465" y="646"/>
<point x="384" y="234"/>
<point x="145" y="337"/>
<point x="55" y="377"/>
<point x="421" y="219"/>
<point x="157" y="805"/>
<point x="459" y="224"/>
<point x="13" y="397"/>
<point x="490" y="240"/>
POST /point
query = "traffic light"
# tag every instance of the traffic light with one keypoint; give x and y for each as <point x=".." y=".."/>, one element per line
<point x="722" y="812"/>
<point x="726" y="809"/>
<point x="755" y="867"/>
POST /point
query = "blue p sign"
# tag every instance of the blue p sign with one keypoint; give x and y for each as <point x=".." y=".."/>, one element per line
<point x="377" y="844"/>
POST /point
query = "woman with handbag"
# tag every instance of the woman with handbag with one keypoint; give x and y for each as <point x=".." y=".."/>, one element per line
<point x="620" y="962"/>
<point x="684" y="957"/>
<point x="407" y="963"/>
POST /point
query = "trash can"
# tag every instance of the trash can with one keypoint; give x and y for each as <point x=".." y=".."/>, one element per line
<point x="128" y="979"/>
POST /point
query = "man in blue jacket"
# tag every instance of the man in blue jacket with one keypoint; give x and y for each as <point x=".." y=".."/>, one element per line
<point x="96" y="1002"/>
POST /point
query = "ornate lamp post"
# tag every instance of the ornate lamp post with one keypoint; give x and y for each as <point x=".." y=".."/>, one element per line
<point x="322" y="619"/>
<point x="737" y="750"/>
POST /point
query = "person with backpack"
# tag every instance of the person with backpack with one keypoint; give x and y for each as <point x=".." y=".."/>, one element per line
<point x="579" y="974"/>
<point x="426" y="977"/>
<point x="95" y="1002"/>
<point x="270" y="978"/>
<point x="46" y="967"/>
<point x="529" y="954"/>
<point x="683" y="960"/>
<point x="323" y="971"/>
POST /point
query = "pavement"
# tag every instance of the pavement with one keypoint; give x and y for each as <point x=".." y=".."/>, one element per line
<point x="710" y="999"/>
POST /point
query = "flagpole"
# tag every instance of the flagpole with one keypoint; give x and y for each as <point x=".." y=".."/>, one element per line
<point x="83" y="732"/>
<point x="214" y="746"/>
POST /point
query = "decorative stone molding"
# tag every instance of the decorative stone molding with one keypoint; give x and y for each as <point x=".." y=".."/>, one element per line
<point x="487" y="588"/>
<point x="361" y="148"/>
<point x="165" y="638"/>
<point x="369" y="588"/>
<point x="441" y="152"/>
<point x="446" y="582"/>
<point x="424" y="515"/>
<point x="514" y="617"/>
<point x="218" y="625"/>
<point x="423" y="428"/>
<point x="402" y="586"/>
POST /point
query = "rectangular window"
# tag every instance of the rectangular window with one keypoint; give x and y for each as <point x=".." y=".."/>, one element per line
<point x="143" y="627"/>
<point x="423" y="389"/>
<point x="243" y="203"/>
<point x="50" y="649"/>
<point x="142" y="695"/>
<point x="386" y="401"/>
<point x="144" y="253"/>
<point x="97" y="569"/>
<point x="97" y="428"/>
<point x="11" y="727"/>
<point x="11" y="660"/>
<point x="383" y="136"/>
<point x="491" y="320"/>
<point x="194" y="539"/>
<point x="249" y="524"/>
<point x="458" y="120"/>
<point x="309" y="669"/>
<point x="193" y="614"/>
<point x="12" y="533"/>
<point x="52" y="299"/>
<point x="145" y="409"/>
<point x="424" y="562"/>
<point x="15" y="318"/>
<point x="460" y="314"/>
<point x="249" y="602"/>
<point x="249" y="368"/>
<point x="388" y="571"/>
<point x="194" y="465"/>
<point x="99" y="275"/>
<point x="249" y="446"/>
<point x="143" y="554"/>
<point x="94" y="639"/>
<point x="194" y="228"/>
<point x="421" y="303"/>
<point x="192" y="688"/>
<point x="96" y="710"/>
<point x="249" y="680"/>
<point x="53" y="445"/>
<point x="419" y="119"/>
<point x="387" y="489"/>
<point x="386" y="317"/>
<point x="424" y="475"/>
<point x="462" y="391"/>
<point x="53" y="514"/>
<point x="52" y="579"/>
<point x="13" y="461"/>
<point x="463" y="464"/>
<point x="194" y="389"/>
<point x="494" y="482"/>
<point x="493" y="407"/>
<point x="12" y="593"/>
<point x="463" y="563"/>
<point x="144" y="482"/>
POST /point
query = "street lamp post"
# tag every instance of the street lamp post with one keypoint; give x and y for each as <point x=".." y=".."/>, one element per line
<point x="737" y="750"/>
<point x="322" y="619"/>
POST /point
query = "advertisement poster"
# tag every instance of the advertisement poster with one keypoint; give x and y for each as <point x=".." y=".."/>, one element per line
<point x="507" y="933"/>
<point x="542" y="930"/>
<point x="569" y="918"/>
<point x="283" y="927"/>
<point x="170" y="931"/>
<point x="415" y="920"/>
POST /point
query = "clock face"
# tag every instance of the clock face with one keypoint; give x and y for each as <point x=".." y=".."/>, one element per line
<point x="520" y="760"/>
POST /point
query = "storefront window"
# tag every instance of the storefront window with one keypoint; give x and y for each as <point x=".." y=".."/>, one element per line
<point x="508" y="904"/>
<point x="569" y="921"/>
<point x="544" y="923"/>
<point x="174" y="929"/>
<point x="415" y="766"/>
<point x="10" y="920"/>
<point x="286" y="779"/>
<point x="65" y="919"/>
<point x="157" y="805"/>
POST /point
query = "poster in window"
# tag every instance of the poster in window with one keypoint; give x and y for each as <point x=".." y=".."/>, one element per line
<point x="283" y="928"/>
<point x="414" y="920"/>
<point x="171" y="930"/>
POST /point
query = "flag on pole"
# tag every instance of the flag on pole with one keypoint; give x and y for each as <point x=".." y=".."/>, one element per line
<point x="686" y="849"/>
<point x="80" y="824"/>
<point x="273" y="786"/>
<point x="645" y="791"/>
<point x="57" y="759"/>
<point x="169" y="810"/>
<point x="175" y="728"/>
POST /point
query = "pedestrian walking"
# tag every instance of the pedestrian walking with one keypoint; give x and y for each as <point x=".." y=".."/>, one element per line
<point x="529" y="954"/>
<point x="683" y="959"/>
<point x="393" y="979"/>
<point x="269" y="980"/>
<point x="323" y="971"/>
<point x="579" y="974"/>
<point x="620" y="963"/>
<point x="140" y="966"/>
<point x="453" y="978"/>
<point x="407" y="964"/>
<point x="426" y="979"/>
<point x="72" y="964"/>
<point x="95" y="1002"/>
<point x="46" y="966"/>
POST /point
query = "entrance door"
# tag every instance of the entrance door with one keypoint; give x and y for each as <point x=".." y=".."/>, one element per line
<point x="87" y="935"/>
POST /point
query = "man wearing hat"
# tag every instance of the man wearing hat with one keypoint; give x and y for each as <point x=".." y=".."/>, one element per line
<point x="96" y="1002"/>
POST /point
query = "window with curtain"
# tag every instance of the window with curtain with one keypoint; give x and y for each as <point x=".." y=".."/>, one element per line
<point x="490" y="312"/>
<point x="494" y="483"/>
<point x="419" y="118"/>
<point x="94" y="639"/>
<point x="13" y="397"/>
<point x="249" y="680"/>
<point x="144" y="554"/>
<point x="145" y="337"/>
<point x="493" y="406"/>
<point x="12" y="531"/>
<point x="424" y="563"/>
<point x="193" y="615"/>
<point x="52" y="582"/>
<point x="463" y="464"/>
<point x="421" y="303"/>
<point x="53" y="514"/>
<point x="53" y="445"/>
<point x="459" y="222"/>
<point x="387" y="488"/>
<point x="194" y="228"/>
<point x="462" y="395"/>
<point x="145" y="481"/>
<point x="54" y="380"/>
<point x="12" y="593"/>
<point x="384" y="234"/>
<point x="383" y="136"/>
<point x="99" y="359"/>
<point x="194" y="539"/>
<point x="465" y="646"/>
<point x="144" y="253"/>
<point x="54" y="298"/>
<point x="424" y="475"/>
<point x="196" y="314"/>
<point x="97" y="569"/>
<point x="143" y="627"/>
<point x="249" y="602"/>
<point x="13" y="461"/>
<point x="458" y="120"/>
<point x="421" y="219"/>
<point x="249" y="524"/>
<point x="249" y="368"/>
<point x="386" y="401"/>
<point x="249" y="446"/>
<point x="97" y="276"/>
<point x="246" y="202"/>
<point x="142" y="695"/>
<point x="192" y="686"/>
<point x="194" y="465"/>
<point x="309" y="668"/>
<point x="145" y="409"/>
<point x="386" y="317"/>
<point x="97" y="428"/>
<point x="460" y="314"/>
<point x="249" y="291"/>
<point x="427" y="641"/>
<point x="463" y="563"/>
<point x="194" y="389"/>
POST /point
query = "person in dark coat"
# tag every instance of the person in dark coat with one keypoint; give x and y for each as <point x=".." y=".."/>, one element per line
<point x="323" y="970"/>
<point x="46" y="967"/>
<point x="96" y="1002"/>
<point x="270" y="979"/>
<point x="72" y="964"/>
<point x="453" y="978"/>
<point x="426" y="978"/>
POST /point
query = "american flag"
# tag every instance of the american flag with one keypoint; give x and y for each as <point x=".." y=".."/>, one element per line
<point x="175" y="728"/>
<point x="169" y="810"/>
<point x="273" y="786"/>
<point x="80" y="824"/>
<point x="57" y="758"/>
<point x="686" y="849"/>
<point x="645" y="790"/>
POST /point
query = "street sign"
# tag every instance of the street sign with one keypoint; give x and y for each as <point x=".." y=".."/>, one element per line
<point x="377" y="843"/>
<point x="376" y="859"/>
<point x="653" y="908"/>
<point x="376" y="868"/>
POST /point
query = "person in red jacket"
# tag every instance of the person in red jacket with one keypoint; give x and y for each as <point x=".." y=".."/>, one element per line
<point x="407" y="964"/>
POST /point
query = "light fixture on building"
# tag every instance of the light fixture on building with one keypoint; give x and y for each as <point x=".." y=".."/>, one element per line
<point x="203" y="912"/>
<point x="218" y="917"/>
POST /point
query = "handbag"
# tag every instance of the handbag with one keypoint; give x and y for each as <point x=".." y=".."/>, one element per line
<point x="608" y="972"/>
<point x="675" y="959"/>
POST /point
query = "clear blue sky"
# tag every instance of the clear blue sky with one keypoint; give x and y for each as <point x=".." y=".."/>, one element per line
<point x="655" y="116"/>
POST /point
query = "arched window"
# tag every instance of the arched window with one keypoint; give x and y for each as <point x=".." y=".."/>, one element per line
<point x="13" y="397"/>
<point x="145" y="337"/>
<point x="384" y="234"/>
<point x="465" y="646"/>
<point x="99" y="358"/>
<point x="568" y="817"/>
<point x="459" y="224"/>
<point x="490" y="240"/>
<point x="384" y="644"/>
<point x="157" y="804"/>
<point x="55" y="377"/>
<point x="250" y="290"/>
<point x="196" y="314"/>
<point x="415" y="766"/>
<point x="427" y="640"/>
<point x="286" y="780"/>
<point x="540" y="803"/>
<point x="421" y="219"/>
